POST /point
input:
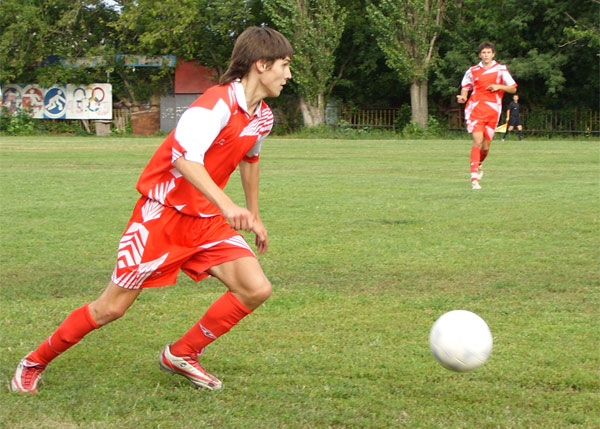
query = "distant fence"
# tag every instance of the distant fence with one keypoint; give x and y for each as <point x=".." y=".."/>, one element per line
<point x="121" y="118"/>
<point x="375" y="118"/>
<point x="567" y="121"/>
<point x="534" y="122"/>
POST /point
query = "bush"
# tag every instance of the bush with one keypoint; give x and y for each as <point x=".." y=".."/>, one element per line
<point x="18" y="124"/>
<point x="21" y="123"/>
<point x="434" y="129"/>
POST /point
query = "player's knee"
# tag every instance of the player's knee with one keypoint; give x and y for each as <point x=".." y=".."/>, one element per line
<point x="264" y="291"/>
<point x="103" y="314"/>
<point x="258" y="293"/>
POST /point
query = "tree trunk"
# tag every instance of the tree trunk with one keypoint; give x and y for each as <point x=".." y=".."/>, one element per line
<point x="311" y="114"/>
<point x="418" y="103"/>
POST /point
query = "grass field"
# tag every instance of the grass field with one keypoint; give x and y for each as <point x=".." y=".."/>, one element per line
<point x="371" y="241"/>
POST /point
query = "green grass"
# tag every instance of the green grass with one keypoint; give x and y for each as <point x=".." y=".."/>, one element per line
<point x="371" y="241"/>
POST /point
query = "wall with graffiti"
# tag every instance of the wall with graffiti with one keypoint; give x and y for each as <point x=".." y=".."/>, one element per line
<point x="93" y="101"/>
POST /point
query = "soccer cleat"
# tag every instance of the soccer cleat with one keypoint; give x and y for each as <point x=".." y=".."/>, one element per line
<point x="475" y="184"/>
<point x="479" y="173"/>
<point x="189" y="367"/>
<point x="27" y="376"/>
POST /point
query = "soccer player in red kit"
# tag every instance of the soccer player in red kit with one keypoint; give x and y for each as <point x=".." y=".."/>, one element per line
<point x="185" y="221"/>
<point x="488" y="82"/>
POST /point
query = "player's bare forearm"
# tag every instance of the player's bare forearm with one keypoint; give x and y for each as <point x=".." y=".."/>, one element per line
<point x="196" y="174"/>
<point x="462" y="97"/>
<point x="250" y="174"/>
<point x="505" y="88"/>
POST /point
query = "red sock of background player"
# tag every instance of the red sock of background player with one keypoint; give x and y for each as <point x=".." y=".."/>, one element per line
<point x="475" y="161"/>
<point x="221" y="316"/>
<point x="69" y="332"/>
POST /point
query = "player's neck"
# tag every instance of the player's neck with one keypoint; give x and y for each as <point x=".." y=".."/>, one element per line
<point x="487" y="65"/>
<point x="253" y="94"/>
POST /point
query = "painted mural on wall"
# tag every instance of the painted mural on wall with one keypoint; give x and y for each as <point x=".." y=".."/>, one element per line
<point x="93" y="101"/>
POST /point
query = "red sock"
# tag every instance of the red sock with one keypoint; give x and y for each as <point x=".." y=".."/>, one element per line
<point x="221" y="316"/>
<point x="476" y="153"/>
<point x="69" y="332"/>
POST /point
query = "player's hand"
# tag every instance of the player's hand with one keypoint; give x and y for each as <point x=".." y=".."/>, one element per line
<point x="239" y="218"/>
<point x="461" y="99"/>
<point x="493" y="88"/>
<point x="262" y="238"/>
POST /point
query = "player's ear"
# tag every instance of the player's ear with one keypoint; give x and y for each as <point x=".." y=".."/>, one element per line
<point x="261" y="65"/>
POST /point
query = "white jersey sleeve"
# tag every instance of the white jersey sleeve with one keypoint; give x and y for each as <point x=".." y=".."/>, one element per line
<point x="467" y="80"/>
<point x="507" y="79"/>
<point x="198" y="128"/>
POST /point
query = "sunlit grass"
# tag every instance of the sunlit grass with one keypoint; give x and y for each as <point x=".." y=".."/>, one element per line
<point x="370" y="241"/>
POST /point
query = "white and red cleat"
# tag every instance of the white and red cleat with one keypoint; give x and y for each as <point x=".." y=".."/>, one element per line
<point x="189" y="367"/>
<point x="27" y="376"/>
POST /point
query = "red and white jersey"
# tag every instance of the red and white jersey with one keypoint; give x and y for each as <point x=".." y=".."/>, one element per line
<point x="483" y="102"/>
<point x="217" y="131"/>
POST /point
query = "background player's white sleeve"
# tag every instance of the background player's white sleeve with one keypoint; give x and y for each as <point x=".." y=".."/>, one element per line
<point x="507" y="79"/>
<point x="467" y="80"/>
<point x="255" y="150"/>
<point x="198" y="128"/>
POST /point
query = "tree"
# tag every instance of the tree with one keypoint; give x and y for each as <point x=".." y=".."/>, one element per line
<point x="31" y="32"/>
<point x="407" y="32"/>
<point x="548" y="46"/>
<point x="203" y="30"/>
<point x="314" y="28"/>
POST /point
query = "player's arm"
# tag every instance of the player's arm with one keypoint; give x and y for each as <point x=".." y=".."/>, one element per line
<point x="462" y="97"/>
<point x="497" y="87"/>
<point x="465" y="86"/>
<point x="195" y="173"/>
<point x="508" y="114"/>
<point x="250" y="174"/>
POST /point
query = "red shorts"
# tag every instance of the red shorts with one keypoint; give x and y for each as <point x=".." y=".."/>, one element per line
<point x="482" y="118"/>
<point x="159" y="241"/>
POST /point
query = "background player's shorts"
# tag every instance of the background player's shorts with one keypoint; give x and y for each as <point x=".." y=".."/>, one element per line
<point x="159" y="241"/>
<point x="481" y="118"/>
<point x="514" y="122"/>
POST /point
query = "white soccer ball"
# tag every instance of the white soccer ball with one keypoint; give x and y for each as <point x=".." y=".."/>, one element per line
<point x="460" y="340"/>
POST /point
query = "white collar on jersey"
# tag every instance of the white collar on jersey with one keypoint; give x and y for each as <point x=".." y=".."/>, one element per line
<point x="492" y="64"/>
<point x="240" y="95"/>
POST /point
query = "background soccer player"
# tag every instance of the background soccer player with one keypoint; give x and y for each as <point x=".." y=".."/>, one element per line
<point x="185" y="221"/>
<point x="513" y="118"/>
<point x="488" y="81"/>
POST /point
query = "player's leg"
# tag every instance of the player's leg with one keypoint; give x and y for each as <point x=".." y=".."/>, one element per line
<point x="111" y="305"/>
<point x="520" y="128"/>
<point x="485" y="149"/>
<point x="476" y="152"/>
<point x="248" y="288"/>
<point x="508" y="130"/>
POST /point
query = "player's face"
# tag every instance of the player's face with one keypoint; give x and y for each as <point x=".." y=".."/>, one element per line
<point x="486" y="55"/>
<point x="276" y="76"/>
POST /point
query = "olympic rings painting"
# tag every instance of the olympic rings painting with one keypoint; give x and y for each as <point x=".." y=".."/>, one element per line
<point x="93" y="101"/>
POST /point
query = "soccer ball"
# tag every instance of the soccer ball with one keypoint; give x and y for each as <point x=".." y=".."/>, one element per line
<point x="460" y="340"/>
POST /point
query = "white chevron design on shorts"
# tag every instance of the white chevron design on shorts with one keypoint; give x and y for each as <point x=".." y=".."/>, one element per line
<point x="134" y="279"/>
<point x="152" y="210"/>
<point x="131" y="246"/>
<point x="236" y="240"/>
<point x="239" y="241"/>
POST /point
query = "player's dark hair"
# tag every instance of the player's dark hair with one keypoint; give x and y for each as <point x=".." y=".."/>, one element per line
<point x="486" y="45"/>
<point x="255" y="43"/>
